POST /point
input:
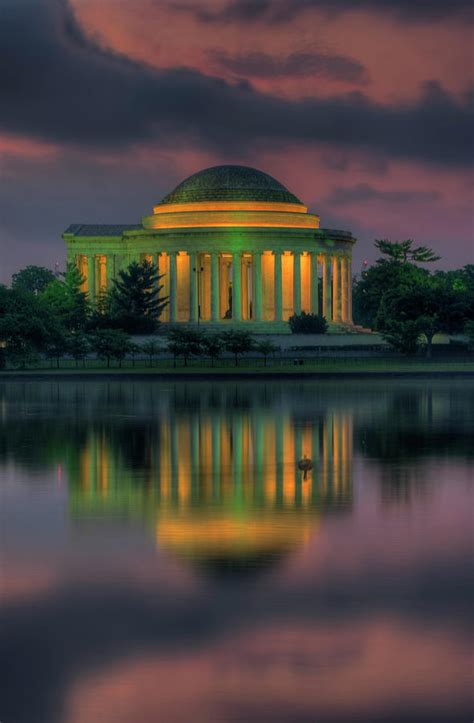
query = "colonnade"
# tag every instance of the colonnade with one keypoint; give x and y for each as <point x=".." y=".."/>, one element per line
<point x="257" y="286"/>
<point x="220" y="459"/>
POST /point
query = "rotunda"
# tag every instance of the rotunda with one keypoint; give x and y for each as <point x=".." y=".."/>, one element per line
<point x="234" y="247"/>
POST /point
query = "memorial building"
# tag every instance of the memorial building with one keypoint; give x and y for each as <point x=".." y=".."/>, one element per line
<point x="234" y="247"/>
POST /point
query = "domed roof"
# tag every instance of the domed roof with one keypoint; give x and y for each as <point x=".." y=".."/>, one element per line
<point x="230" y="183"/>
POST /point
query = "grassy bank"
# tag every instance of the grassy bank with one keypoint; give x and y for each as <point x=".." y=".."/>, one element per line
<point x="250" y="367"/>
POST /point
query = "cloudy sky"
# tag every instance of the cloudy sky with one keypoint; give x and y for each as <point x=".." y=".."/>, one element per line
<point x="363" y="108"/>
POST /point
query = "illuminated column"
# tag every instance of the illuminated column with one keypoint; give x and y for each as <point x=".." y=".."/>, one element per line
<point x="193" y="287"/>
<point x="109" y="265"/>
<point x="344" y="299"/>
<point x="349" y="289"/>
<point x="173" y="286"/>
<point x="236" y="287"/>
<point x="297" y="283"/>
<point x="102" y="268"/>
<point x="257" y="286"/>
<point x="327" y="305"/>
<point x="314" y="284"/>
<point x="336" y="289"/>
<point x="91" y="277"/>
<point x="214" y="287"/>
<point x="278" y="288"/>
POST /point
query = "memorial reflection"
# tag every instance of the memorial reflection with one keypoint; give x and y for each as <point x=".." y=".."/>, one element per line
<point x="221" y="485"/>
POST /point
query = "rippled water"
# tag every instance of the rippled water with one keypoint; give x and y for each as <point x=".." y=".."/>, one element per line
<point x="163" y="559"/>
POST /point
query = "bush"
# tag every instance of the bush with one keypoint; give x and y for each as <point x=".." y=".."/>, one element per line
<point x="307" y="323"/>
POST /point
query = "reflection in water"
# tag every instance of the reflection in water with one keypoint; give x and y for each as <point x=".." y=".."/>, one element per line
<point x="116" y="496"/>
<point x="219" y="487"/>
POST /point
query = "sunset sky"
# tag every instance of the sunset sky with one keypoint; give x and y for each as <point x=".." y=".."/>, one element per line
<point x="362" y="108"/>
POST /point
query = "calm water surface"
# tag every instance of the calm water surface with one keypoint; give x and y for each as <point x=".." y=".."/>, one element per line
<point x="163" y="559"/>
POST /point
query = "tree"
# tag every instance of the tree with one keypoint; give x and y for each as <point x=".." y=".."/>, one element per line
<point x="111" y="344"/>
<point x="265" y="348"/>
<point x="469" y="331"/>
<point x="66" y="300"/>
<point x="403" y="251"/>
<point x="184" y="343"/>
<point x="34" y="279"/>
<point x="404" y="336"/>
<point x="79" y="346"/>
<point x="135" y="298"/>
<point x="430" y="305"/>
<point x="386" y="275"/>
<point x="151" y="348"/>
<point x="24" y="324"/>
<point x="238" y="343"/>
<point x="305" y="323"/>
<point x="56" y="343"/>
<point x="212" y="347"/>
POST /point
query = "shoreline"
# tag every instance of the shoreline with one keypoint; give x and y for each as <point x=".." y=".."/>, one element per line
<point x="212" y="374"/>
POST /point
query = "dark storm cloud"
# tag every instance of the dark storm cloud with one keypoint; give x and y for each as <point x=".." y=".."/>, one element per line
<point x="279" y="11"/>
<point x="263" y="65"/>
<point x="58" y="85"/>
<point x="363" y="192"/>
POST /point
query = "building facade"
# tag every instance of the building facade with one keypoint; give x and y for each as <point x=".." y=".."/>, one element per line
<point x="234" y="248"/>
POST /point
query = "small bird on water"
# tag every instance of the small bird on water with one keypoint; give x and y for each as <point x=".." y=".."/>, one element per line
<point x="305" y="465"/>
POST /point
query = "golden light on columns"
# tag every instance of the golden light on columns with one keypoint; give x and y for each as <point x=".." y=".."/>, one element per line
<point x="254" y="247"/>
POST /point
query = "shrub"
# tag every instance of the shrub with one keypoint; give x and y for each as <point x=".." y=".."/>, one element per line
<point x="307" y="323"/>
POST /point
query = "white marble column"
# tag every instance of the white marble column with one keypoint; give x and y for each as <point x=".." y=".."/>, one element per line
<point x="336" y="289"/>
<point x="344" y="299"/>
<point x="257" y="286"/>
<point x="193" y="286"/>
<point x="173" y="288"/>
<point x="214" y="287"/>
<point x="349" y="289"/>
<point x="327" y="298"/>
<point x="236" y="287"/>
<point x="314" y="297"/>
<point x="91" y="277"/>
<point x="278" y="288"/>
<point x="297" y="283"/>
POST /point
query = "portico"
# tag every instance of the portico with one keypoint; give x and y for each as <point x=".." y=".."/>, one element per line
<point x="233" y="247"/>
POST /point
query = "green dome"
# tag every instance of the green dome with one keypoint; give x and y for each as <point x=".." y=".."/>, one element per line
<point x="230" y="183"/>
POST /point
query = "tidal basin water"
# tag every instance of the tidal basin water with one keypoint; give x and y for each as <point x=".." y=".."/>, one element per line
<point x="164" y="560"/>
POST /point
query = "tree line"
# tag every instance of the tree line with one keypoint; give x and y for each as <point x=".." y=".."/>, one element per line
<point x="409" y="304"/>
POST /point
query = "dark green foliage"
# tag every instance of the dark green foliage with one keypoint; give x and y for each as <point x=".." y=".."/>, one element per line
<point x="66" y="300"/>
<point x="307" y="323"/>
<point x="184" y="343"/>
<point x="238" y="343"/>
<point x="469" y="331"/>
<point x="33" y="279"/>
<point x="404" y="336"/>
<point x="111" y="344"/>
<point x="151" y="348"/>
<point x="135" y="300"/>
<point x="403" y="251"/>
<point x="427" y="306"/>
<point x="212" y="346"/>
<point x="79" y="346"/>
<point x="265" y="347"/>
<point x="24" y="324"/>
